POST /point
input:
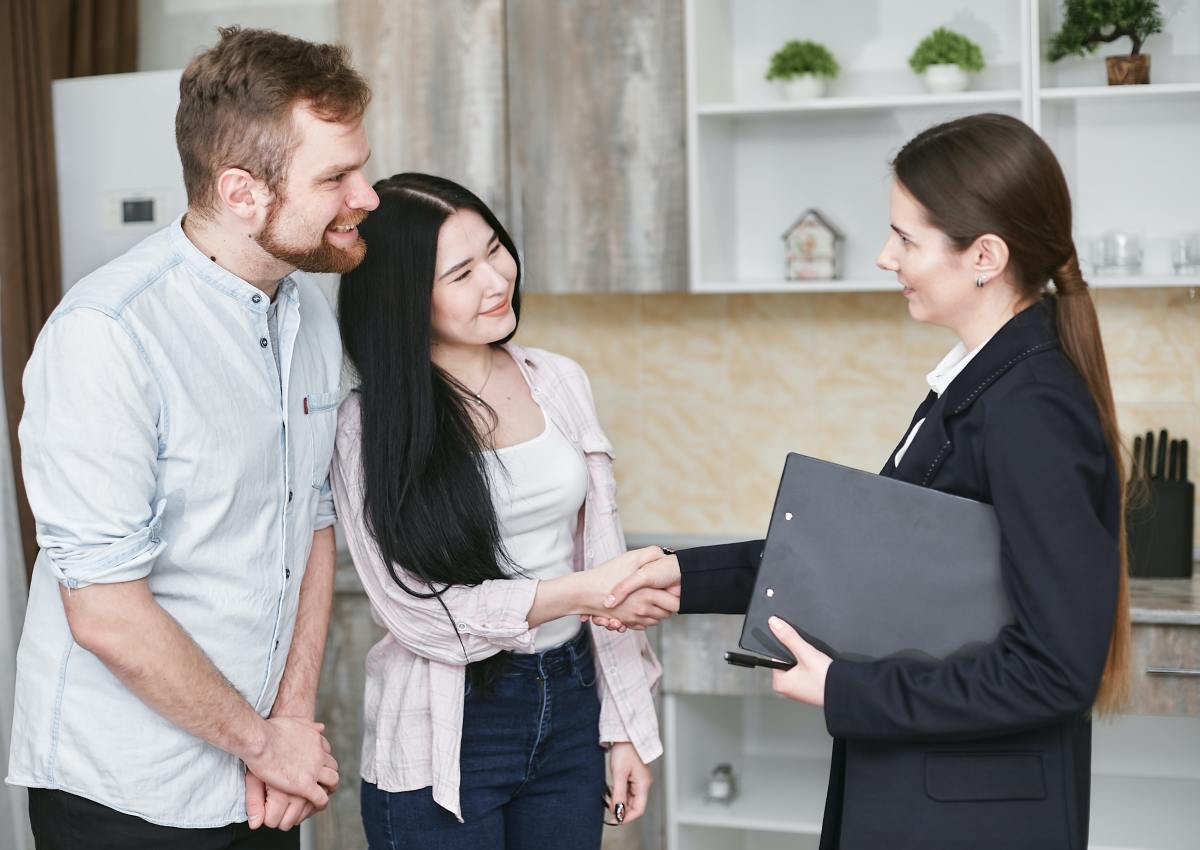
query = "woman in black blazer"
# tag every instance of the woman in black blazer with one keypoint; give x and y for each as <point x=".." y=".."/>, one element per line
<point x="991" y="750"/>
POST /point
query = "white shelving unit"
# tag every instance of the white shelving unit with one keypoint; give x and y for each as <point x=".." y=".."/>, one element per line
<point x="780" y="754"/>
<point x="1145" y="780"/>
<point x="756" y="161"/>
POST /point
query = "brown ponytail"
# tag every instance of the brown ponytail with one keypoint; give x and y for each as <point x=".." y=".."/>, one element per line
<point x="991" y="173"/>
<point x="1079" y="336"/>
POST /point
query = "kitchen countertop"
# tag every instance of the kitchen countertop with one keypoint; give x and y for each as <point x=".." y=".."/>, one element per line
<point x="1162" y="601"/>
<point x="1169" y="601"/>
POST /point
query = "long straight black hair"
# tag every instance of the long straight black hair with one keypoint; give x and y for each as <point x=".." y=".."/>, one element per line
<point x="426" y="495"/>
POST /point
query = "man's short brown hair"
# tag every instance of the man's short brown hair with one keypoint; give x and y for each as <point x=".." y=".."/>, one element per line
<point x="236" y="100"/>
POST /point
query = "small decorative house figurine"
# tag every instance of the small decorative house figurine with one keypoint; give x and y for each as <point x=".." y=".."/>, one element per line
<point x="814" y="248"/>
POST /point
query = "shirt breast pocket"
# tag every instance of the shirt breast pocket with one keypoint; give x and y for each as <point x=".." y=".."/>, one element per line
<point x="322" y="426"/>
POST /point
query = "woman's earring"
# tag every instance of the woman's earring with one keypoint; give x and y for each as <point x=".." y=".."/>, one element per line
<point x="979" y="280"/>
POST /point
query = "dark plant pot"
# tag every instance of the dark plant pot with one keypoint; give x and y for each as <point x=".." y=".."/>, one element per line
<point x="1128" y="70"/>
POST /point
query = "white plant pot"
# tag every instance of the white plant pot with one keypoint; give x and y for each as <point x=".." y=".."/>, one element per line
<point x="804" y="87"/>
<point x="945" y="78"/>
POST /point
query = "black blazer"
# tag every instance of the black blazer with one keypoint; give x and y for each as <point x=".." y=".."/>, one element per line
<point x="992" y="750"/>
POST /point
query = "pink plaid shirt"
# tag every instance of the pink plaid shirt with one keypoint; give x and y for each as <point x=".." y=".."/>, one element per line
<point x="415" y="675"/>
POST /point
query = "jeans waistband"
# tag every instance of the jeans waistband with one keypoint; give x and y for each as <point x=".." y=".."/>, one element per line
<point x="564" y="658"/>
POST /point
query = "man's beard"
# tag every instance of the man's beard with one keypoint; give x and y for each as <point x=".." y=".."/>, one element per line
<point x="323" y="257"/>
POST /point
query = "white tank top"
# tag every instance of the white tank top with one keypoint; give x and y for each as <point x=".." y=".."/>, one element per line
<point x="538" y="487"/>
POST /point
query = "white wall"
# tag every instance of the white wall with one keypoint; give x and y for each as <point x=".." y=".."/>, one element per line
<point x="171" y="32"/>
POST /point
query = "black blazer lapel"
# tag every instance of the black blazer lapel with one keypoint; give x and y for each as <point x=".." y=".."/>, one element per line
<point x="929" y="448"/>
<point x="1029" y="332"/>
<point x="889" y="468"/>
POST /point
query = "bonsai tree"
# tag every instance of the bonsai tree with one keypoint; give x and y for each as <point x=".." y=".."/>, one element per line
<point x="1089" y="23"/>
<point x="802" y="57"/>
<point x="946" y="47"/>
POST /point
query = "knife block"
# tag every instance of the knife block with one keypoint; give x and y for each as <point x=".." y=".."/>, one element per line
<point x="1158" y="525"/>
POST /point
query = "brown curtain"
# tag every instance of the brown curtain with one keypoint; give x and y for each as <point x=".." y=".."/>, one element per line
<point x="40" y="41"/>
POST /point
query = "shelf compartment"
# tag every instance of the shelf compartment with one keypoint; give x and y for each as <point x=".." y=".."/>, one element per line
<point x="787" y="795"/>
<point x="755" y="161"/>
<point x="775" y="794"/>
<point x="717" y="838"/>
<point x="1145" y="776"/>
<point x="730" y="43"/>
<point x="1151" y="90"/>
<point x="1144" y="813"/>
<point x="864" y="103"/>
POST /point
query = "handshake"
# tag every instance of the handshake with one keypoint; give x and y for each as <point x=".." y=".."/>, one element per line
<point x="640" y="588"/>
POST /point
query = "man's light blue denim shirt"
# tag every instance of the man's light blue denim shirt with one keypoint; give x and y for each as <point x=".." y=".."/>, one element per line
<point x="158" y="443"/>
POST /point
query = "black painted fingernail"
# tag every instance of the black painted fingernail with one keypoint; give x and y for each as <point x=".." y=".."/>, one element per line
<point x="619" y="812"/>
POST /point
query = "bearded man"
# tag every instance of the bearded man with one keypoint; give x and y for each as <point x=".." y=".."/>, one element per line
<point x="179" y="419"/>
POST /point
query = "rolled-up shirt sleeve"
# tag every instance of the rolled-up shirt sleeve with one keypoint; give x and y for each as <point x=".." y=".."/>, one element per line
<point x="326" y="513"/>
<point x="89" y="449"/>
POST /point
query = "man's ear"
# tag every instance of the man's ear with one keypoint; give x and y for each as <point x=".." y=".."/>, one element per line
<point x="243" y="195"/>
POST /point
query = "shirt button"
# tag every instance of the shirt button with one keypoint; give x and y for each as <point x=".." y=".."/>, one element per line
<point x="256" y="298"/>
<point x="462" y="627"/>
<point x="263" y="342"/>
<point x="289" y="496"/>
<point x="277" y="644"/>
<point x="287" y="573"/>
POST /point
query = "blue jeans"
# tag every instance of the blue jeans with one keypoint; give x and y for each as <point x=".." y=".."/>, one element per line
<point x="532" y="766"/>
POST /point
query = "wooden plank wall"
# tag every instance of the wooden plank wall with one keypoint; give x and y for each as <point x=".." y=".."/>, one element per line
<point x="596" y="123"/>
<point x="566" y="116"/>
<point x="437" y="74"/>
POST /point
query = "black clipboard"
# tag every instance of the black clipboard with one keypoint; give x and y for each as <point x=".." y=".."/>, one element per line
<point x="866" y="567"/>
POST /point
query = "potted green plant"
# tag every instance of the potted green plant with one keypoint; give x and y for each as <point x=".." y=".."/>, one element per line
<point x="802" y="68"/>
<point x="1089" y="23"/>
<point x="944" y="58"/>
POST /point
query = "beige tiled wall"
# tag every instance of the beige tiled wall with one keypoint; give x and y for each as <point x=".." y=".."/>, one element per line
<point x="703" y="395"/>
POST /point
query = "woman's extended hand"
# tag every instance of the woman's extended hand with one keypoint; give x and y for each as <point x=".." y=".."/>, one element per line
<point x="584" y="592"/>
<point x="631" y="781"/>
<point x="645" y="608"/>
<point x="806" y="681"/>
<point x="644" y="598"/>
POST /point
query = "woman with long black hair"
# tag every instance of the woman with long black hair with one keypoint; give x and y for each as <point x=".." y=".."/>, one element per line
<point x="991" y="749"/>
<point x="475" y="489"/>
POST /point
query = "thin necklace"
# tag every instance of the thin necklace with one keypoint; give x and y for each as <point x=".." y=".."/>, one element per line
<point x="479" y="394"/>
